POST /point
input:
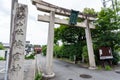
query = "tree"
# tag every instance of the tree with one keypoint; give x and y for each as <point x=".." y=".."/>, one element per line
<point x="69" y="35"/>
<point x="106" y="32"/>
<point x="73" y="38"/>
<point x="89" y="11"/>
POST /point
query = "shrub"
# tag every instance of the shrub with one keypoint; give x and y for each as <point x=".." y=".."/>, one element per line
<point x="116" y="58"/>
<point x="38" y="76"/>
<point x="96" y="53"/>
<point x="1" y="47"/>
<point x="31" y="56"/>
<point x="85" y="54"/>
<point x="99" y="67"/>
<point x="57" y="51"/>
<point x="108" y="68"/>
<point x="1" y="58"/>
<point x="68" y="51"/>
<point x="44" y="49"/>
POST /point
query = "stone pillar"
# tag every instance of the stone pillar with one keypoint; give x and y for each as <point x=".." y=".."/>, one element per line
<point x="49" y="55"/>
<point x="17" y="49"/>
<point x="92" y="64"/>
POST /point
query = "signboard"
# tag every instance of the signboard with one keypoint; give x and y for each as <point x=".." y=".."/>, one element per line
<point x="105" y="53"/>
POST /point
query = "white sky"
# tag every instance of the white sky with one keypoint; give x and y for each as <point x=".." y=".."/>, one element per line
<point x="37" y="32"/>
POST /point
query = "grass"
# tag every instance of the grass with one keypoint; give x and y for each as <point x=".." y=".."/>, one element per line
<point x="99" y="67"/>
<point x="108" y="68"/>
<point x="38" y="76"/>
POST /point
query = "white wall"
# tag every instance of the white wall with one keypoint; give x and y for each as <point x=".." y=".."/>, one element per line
<point x="2" y="53"/>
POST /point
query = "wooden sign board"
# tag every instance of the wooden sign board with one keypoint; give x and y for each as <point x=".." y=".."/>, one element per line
<point x="105" y="53"/>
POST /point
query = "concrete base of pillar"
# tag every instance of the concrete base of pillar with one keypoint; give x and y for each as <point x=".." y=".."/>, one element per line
<point x="48" y="75"/>
<point x="93" y="68"/>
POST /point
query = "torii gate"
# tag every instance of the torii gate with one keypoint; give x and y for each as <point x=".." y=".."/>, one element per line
<point x="52" y="9"/>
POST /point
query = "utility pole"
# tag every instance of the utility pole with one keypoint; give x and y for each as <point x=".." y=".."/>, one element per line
<point x="113" y="3"/>
<point x="104" y="3"/>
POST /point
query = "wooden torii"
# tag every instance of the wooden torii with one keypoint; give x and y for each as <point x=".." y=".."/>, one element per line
<point x="51" y="19"/>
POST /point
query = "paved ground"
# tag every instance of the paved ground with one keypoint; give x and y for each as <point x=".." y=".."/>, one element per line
<point x="29" y="70"/>
<point x="2" y="71"/>
<point x="68" y="71"/>
<point x="65" y="71"/>
<point x="28" y="73"/>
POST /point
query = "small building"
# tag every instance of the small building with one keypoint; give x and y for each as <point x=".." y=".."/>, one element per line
<point x="6" y="45"/>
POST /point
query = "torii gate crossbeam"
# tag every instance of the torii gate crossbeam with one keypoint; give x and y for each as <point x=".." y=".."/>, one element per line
<point x="47" y="7"/>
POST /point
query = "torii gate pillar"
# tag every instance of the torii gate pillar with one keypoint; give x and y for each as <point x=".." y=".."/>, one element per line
<point x="92" y="64"/>
<point x="49" y="57"/>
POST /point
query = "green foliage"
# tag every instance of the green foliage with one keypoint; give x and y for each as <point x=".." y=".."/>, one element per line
<point x="96" y="52"/>
<point x="57" y="51"/>
<point x="105" y="26"/>
<point x="1" y="58"/>
<point x="85" y="54"/>
<point x="31" y="56"/>
<point x="116" y="58"/>
<point x="68" y="51"/>
<point x="38" y="76"/>
<point x="56" y="35"/>
<point x="73" y="39"/>
<point x="44" y="49"/>
<point x="106" y="33"/>
<point x="108" y="68"/>
<point x="89" y="11"/>
<point x="116" y="6"/>
<point x="99" y="67"/>
<point x="69" y="35"/>
<point x="1" y="47"/>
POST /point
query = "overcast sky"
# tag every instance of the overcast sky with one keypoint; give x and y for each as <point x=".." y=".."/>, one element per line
<point x="37" y="31"/>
